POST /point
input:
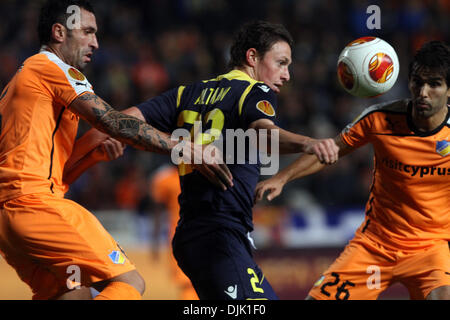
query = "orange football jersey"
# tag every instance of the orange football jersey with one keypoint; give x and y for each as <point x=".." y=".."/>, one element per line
<point x="165" y="188"/>
<point x="409" y="203"/>
<point x="37" y="129"/>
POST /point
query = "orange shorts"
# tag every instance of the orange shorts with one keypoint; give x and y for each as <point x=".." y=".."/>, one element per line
<point x="54" y="244"/>
<point x="365" y="269"/>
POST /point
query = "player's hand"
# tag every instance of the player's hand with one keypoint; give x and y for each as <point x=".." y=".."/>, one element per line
<point x="271" y="187"/>
<point x="109" y="149"/>
<point x="211" y="166"/>
<point x="326" y="150"/>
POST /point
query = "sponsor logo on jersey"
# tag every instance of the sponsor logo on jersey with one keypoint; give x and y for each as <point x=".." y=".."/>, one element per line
<point x="117" y="257"/>
<point x="75" y="74"/>
<point x="443" y="147"/>
<point x="81" y="84"/>
<point x="414" y="170"/>
<point x="265" y="107"/>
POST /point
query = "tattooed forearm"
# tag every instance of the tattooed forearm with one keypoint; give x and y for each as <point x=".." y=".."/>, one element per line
<point x="90" y="97"/>
<point x="126" y="128"/>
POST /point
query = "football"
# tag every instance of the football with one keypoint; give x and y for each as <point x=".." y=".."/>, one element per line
<point x="368" y="67"/>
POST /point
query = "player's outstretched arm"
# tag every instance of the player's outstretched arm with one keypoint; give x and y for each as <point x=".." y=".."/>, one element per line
<point x="305" y="165"/>
<point x="129" y="127"/>
<point x="123" y="127"/>
<point x="272" y="187"/>
<point x="217" y="173"/>
<point x="326" y="150"/>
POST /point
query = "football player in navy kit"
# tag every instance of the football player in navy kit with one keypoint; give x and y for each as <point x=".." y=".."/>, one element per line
<point x="212" y="244"/>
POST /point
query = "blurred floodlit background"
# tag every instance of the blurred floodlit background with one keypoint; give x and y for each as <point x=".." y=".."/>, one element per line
<point x="149" y="47"/>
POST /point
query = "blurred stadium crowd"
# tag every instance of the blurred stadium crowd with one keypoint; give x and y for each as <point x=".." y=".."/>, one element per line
<point x="147" y="47"/>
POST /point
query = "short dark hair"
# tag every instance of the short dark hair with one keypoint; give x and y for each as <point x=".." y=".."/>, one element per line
<point x="260" y="35"/>
<point x="55" y="11"/>
<point x="433" y="56"/>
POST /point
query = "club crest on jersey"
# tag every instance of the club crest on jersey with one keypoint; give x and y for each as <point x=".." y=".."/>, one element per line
<point x="117" y="257"/>
<point x="265" y="107"/>
<point x="443" y="147"/>
<point x="75" y="74"/>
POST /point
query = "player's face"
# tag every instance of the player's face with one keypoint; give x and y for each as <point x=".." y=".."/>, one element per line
<point x="81" y="42"/>
<point x="273" y="67"/>
<point x="429" y="92"/>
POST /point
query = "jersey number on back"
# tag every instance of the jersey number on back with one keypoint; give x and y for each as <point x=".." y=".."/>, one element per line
<point x="190" y="117"/>
<point x="215" y="117"/>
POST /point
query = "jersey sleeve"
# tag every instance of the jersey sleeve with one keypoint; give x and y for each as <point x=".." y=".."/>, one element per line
<point x="357" y="133"/>
<point x="260" y="103"/>
<point x="65" y="83"/>
<point x="161" y="111"/>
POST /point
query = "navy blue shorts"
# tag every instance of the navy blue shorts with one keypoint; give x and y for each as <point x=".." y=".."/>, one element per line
<point x="220" y="265"/>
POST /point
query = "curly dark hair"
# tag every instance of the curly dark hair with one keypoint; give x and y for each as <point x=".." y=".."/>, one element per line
<point x="260" y="35"/>
<point x="433" y="56"/>
<point x="55" y="11"/>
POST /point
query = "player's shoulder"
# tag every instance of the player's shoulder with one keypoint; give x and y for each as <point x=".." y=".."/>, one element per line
<point x="235" y="84"/>
<point x="262" y="89"/>
<point x="32" y="65"/>
<point x="70" y="72"/>
<point x="398" y="106"/>
<point x="234" y="75"/>
<point x="241" y="81"/>
<point x="53" y="70"/>
<point x="45" y="61"/>
<point x="394" y="106"/>
<point x="33" y="69"/>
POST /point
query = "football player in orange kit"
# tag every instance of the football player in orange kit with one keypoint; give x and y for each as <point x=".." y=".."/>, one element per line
<point x="43" y="236"/>
<point x="406" y="232"/>
<point x="164" y="190"/>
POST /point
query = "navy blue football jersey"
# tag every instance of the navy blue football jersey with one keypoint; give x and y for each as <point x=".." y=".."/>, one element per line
<point x="230" y="101"/>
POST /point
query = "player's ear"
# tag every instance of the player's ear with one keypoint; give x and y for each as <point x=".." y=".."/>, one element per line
<point x="251" y="56"/>
<point x="58" y="32"/>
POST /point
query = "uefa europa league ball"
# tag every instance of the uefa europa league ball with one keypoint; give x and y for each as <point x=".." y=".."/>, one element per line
<point x="368" y="67"/>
